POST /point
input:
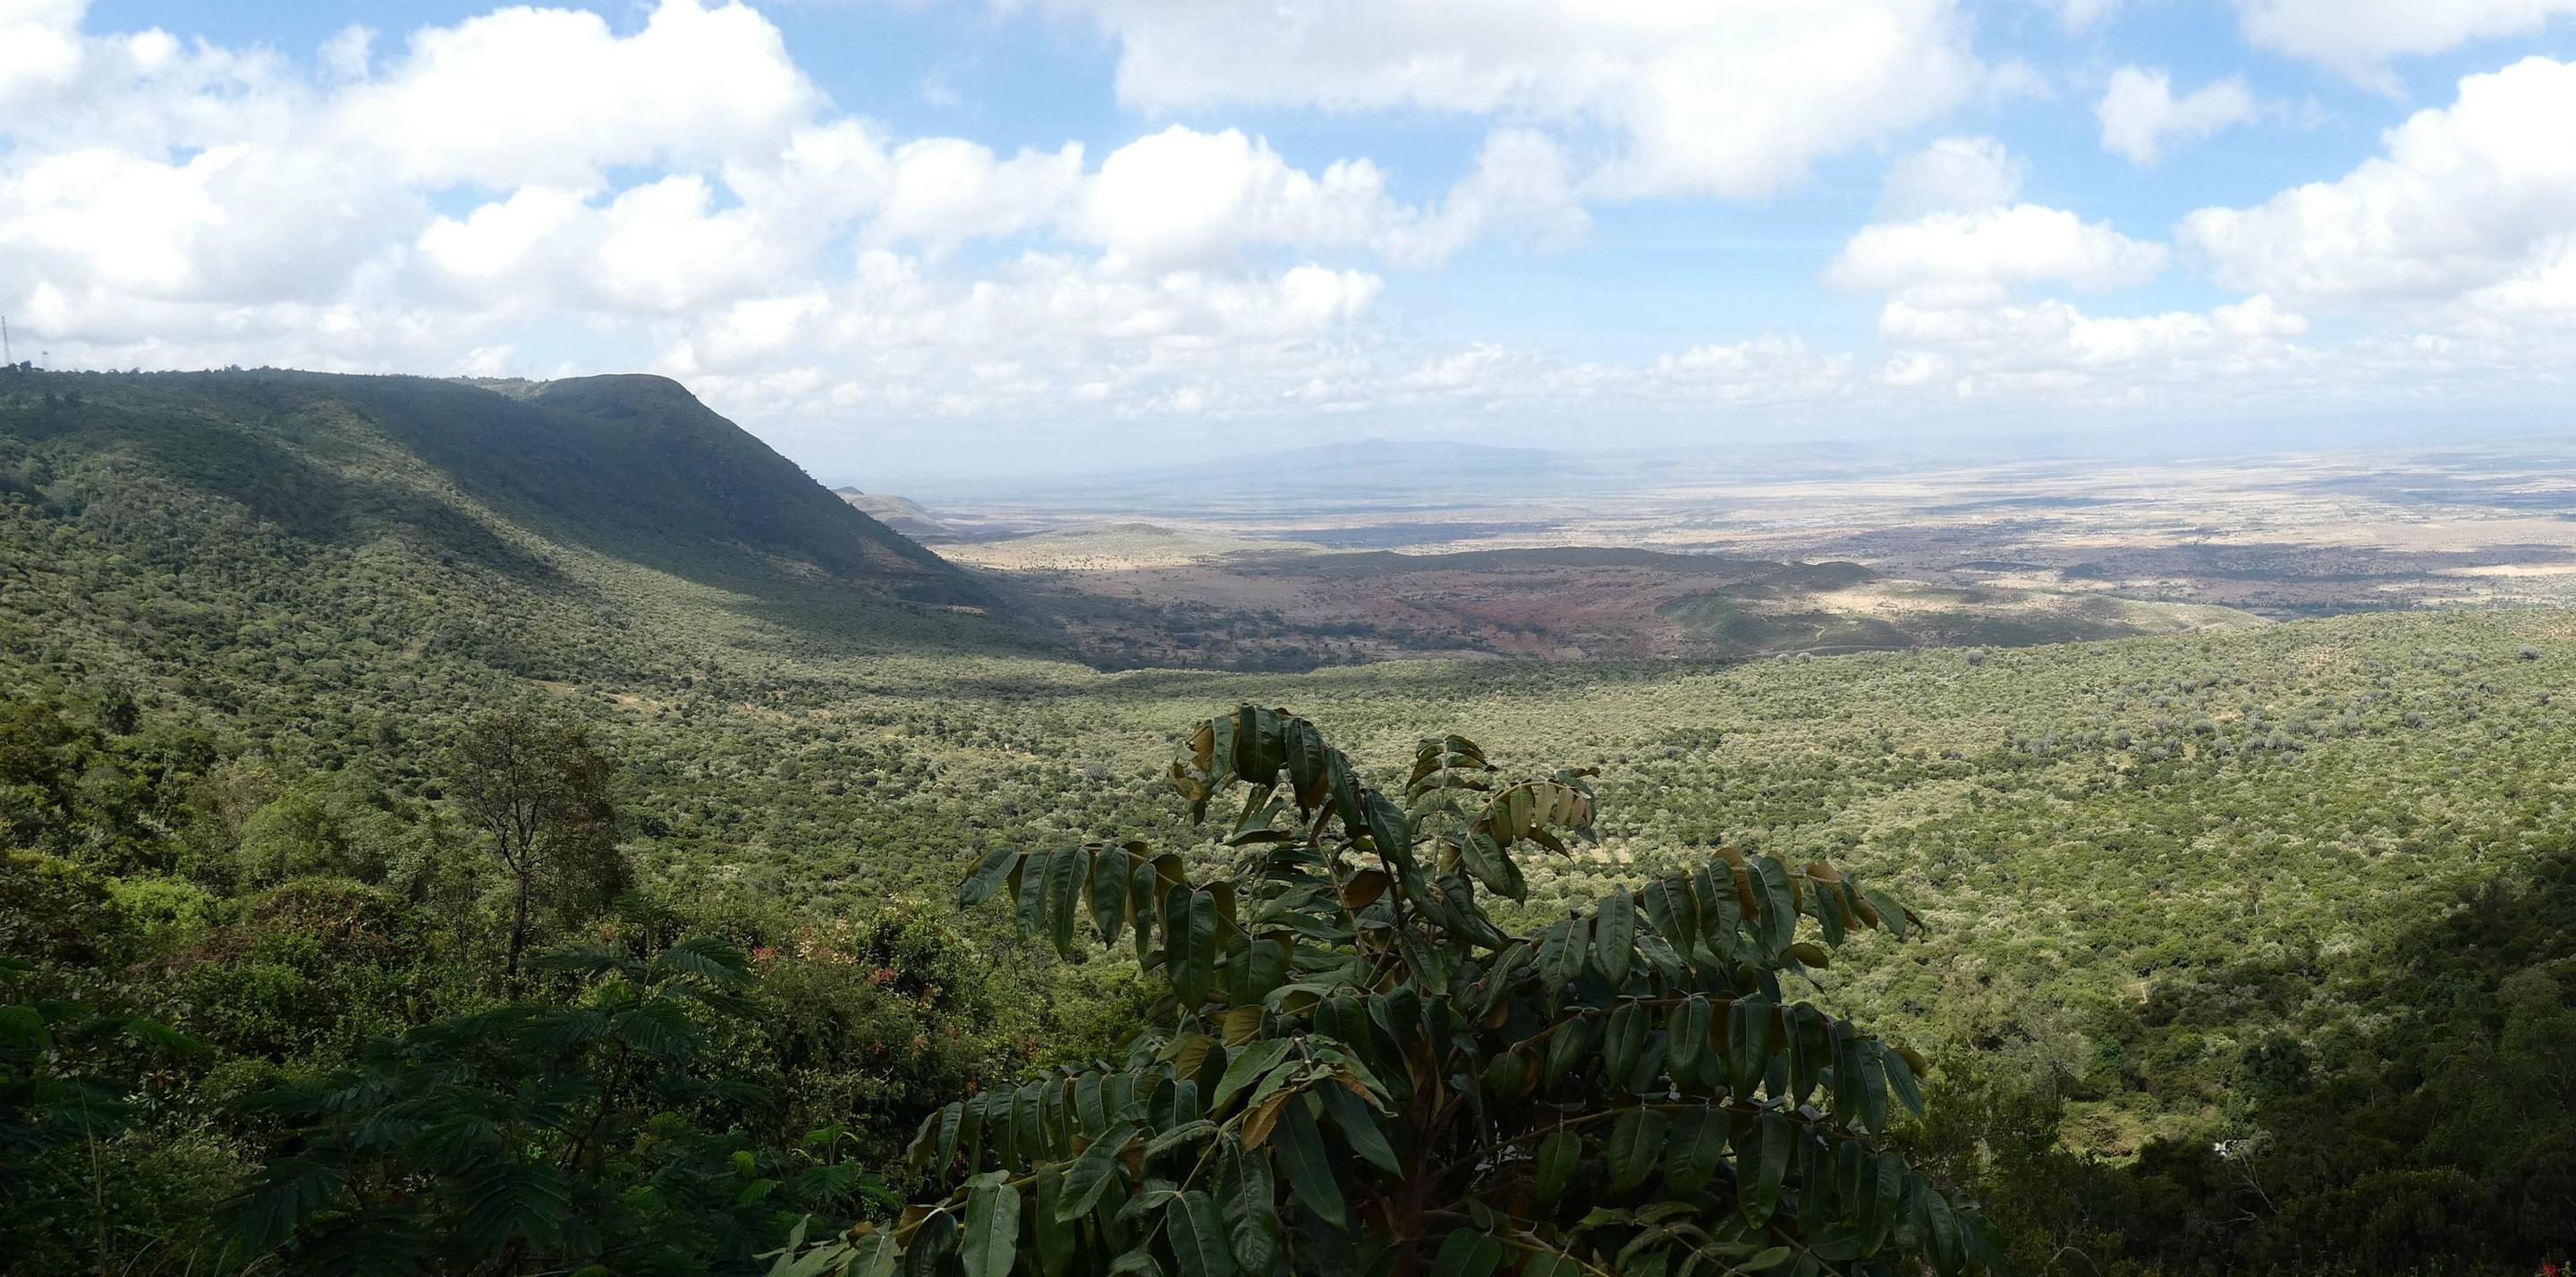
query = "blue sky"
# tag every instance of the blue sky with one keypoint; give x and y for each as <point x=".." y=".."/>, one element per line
<point x="930" y="240"/>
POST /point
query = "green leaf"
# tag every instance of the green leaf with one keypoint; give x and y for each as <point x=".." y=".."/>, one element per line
<point x="290" y="1190"/>
<point x="657" y="1028"/>
<point x="1900" y="1078"/>
<point x="1057" y="1241"/>
<point x="1467" y="1252"/>
<point x="1748" y="1043"/>
<point x="1311" y="1177"/>
<point x="1110" y="877"/>
<point x="1359" y="1129"/>
<point x="980" y="885"/>
<point x="1252" y="1210"/>
<point x="1246" y="1067"/>
<point x="1777" y="926"/>
<point x="1204" y="927"/>
<point x="1557" y="1156"/>
<point x="1762" y="1163"/>
<point x="1190" y="986"/>
<point x="1766" y="1261"/>
<point x="1695" y="1149"/>
<point x="508" y="1202"/>
<point x="1092" y="1173"/>
<point x="1670" y="908"/>
<point x="1066" y="875"/>
<point x="1139" y="1261"/>
<point x="1553" y="944"/>
<point x="1614" y="938"/>
<point x="1033" y="891"/>
<point x="1388" y="829"/>
<point x="1624" y="1042"/>
<point x="1686" y="1039"/>
<point x="1636" y="1141"/>
<point x="1197" y="1232"/>
<point x="992" y="1240"/>
<point x="1568" y="1047"/>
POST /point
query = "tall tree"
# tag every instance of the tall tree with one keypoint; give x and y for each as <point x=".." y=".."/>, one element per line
<point x="540" y="791"/>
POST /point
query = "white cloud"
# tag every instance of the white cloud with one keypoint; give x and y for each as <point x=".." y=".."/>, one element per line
<point x="2462" y="198"/>
<point x="553" y="96"/>
<point x="1968" y="258"/>
<point x="706" y="212"/>
<point x="2141" y="116"/>
<point x="1183" y="197"/>
<point x="1954" y="174"/>
<point x="946" y="190"/>
<point x="2081" y="15"/>
<point x="40" y="46"/>
<point x="2357" y="38"/>
<point x="1734" y="100"/>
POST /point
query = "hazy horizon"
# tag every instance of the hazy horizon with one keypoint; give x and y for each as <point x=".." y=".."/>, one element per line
<point x="927" y="245"/>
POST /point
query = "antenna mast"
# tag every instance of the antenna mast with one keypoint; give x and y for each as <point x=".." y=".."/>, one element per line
<point x="7" y="355"/>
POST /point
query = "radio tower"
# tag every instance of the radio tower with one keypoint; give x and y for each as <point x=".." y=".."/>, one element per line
<point x="8" y="356"/>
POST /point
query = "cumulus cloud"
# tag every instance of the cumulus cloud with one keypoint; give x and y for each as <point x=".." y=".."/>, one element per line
<point x="2141" y="116"/>
<point x="1954" y="174"/>
<point x="1183" y="197"/>
<point x="649" y="188"/>
<point x="1734" y="100"/>
<point x="1973" y="257"/>
<point x="2357" y="38"/>
<point x="2461" y="199"/>
<point x="675" y="193"/>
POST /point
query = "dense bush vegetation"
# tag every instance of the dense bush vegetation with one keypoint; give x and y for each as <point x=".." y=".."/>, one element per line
<point x="1357" y="1070"/>
<point x="2243" y="952"/>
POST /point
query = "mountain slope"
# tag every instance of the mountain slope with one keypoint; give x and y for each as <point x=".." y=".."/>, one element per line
<point x="237" y="520"/>
<point x="899" y="513"/>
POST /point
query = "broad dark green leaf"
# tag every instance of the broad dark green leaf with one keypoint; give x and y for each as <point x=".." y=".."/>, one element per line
<point x="1196" y="1229"/>
<point x="1245" y="1068"/>
<point x="1092" y="1173"/>
<point x="1762" y="1163"/>
<point x="1467" y="1252"/>
<point x="1204" y="928"/>
<point x="1066" y="874"/>
<point x="1112" y="875"/>
<point x="1623" y="1042"/>
<point x="980" y="885"/>
<point x="1636" y="1142"/>
<point x="1554" y="1169"/>
<point x="1686" y="1039"/>
<point x="1311" y="1176"/>
<point x="1359" y="1127"/>
<point x="1614" y="938"/>
<point x="1695" y="1148"/>
<point x="992" y="1239"/>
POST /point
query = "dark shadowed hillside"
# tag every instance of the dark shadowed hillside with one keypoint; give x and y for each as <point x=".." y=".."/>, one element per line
<point x="218" y="518"/>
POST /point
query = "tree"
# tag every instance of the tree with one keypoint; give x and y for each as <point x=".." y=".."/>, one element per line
<point x="1358" y="1070"/>
<point x="540" y="792"/>
<point x="544" y="1137"/>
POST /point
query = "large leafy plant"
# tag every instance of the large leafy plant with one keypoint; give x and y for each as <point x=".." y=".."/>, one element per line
<point x="1359" y="1070"/>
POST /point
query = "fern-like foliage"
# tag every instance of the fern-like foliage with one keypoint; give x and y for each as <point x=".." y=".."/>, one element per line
<point x="1358" y="1070"/>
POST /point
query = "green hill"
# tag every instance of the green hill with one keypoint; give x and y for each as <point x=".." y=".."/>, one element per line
<point x="561" y="532"/>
